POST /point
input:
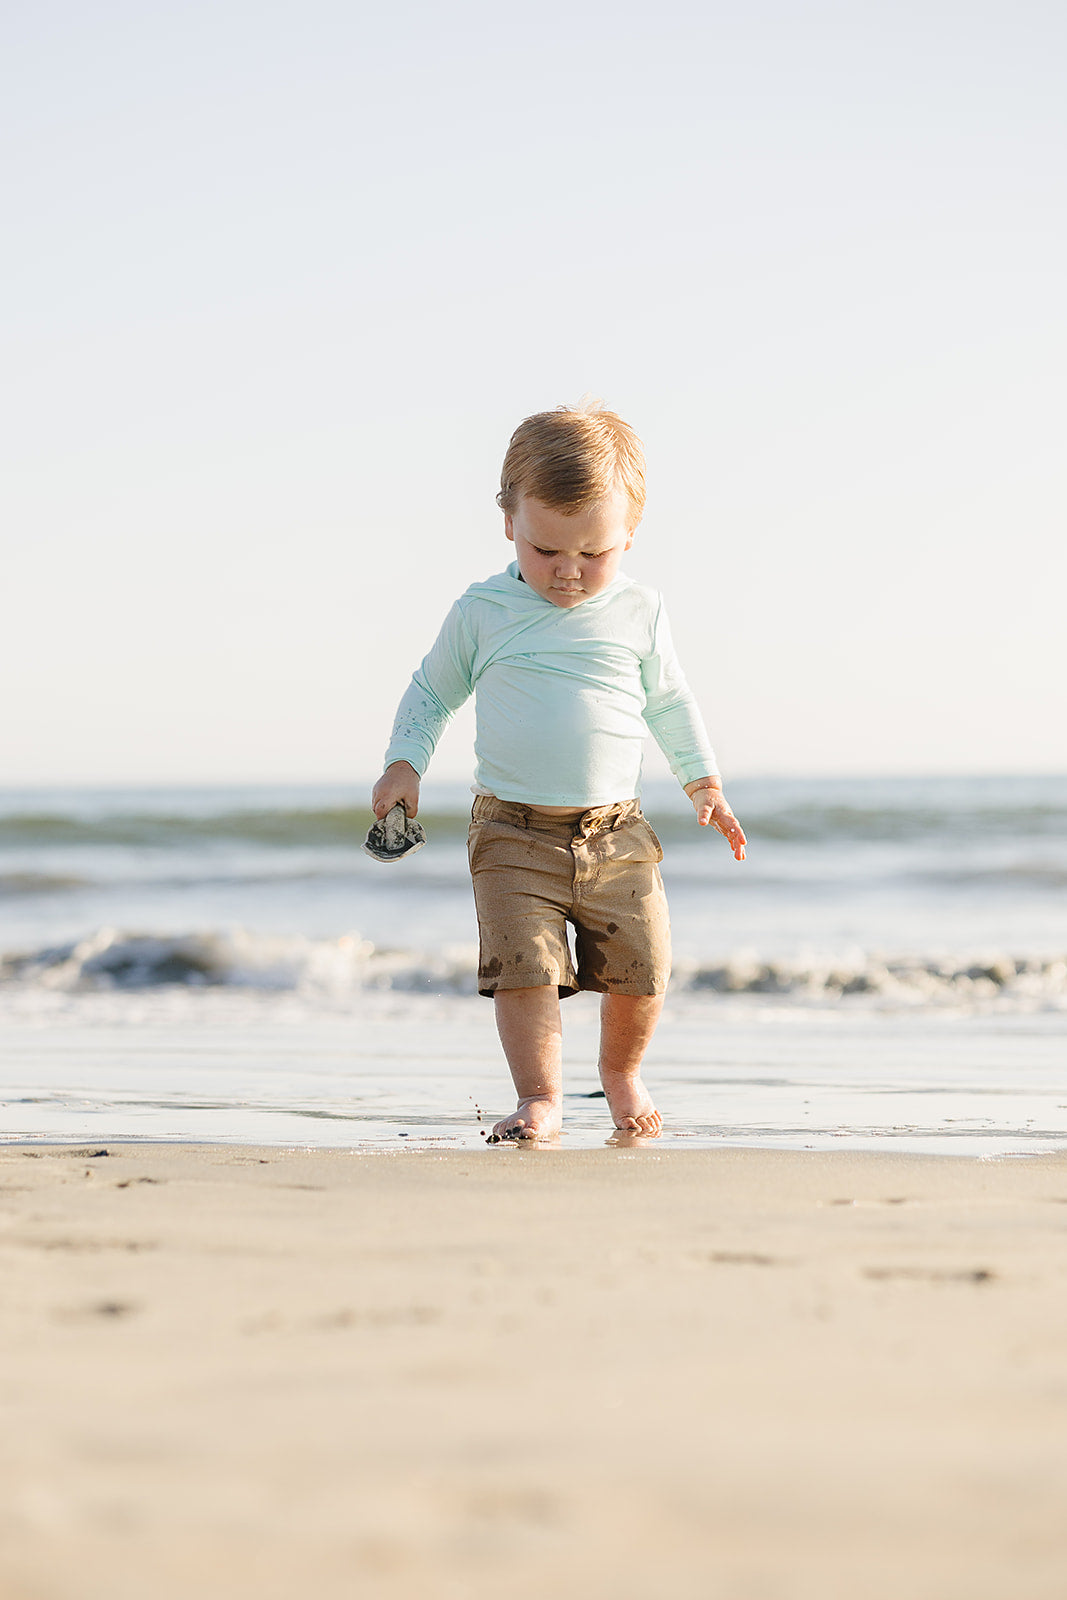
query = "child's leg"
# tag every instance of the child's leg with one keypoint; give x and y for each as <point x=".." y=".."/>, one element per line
<point x="531" y="1033"/>
<point x="627" y="1023"/>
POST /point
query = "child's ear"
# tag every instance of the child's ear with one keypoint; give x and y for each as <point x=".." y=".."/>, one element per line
<point x="509" y="527"/>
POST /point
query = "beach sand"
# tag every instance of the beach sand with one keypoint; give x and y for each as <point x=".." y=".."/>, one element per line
<point x="231" y="1372"/>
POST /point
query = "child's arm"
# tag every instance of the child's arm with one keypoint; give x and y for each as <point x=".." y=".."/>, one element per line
<point x="438" y="688"/>
<point x="674" y="718"/>
<point x="711" y="806"/>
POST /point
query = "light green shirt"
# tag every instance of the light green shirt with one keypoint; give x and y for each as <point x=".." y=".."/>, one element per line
<point x="563" y="696"/>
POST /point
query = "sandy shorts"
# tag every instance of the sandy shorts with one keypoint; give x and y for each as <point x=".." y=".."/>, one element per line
<point x="534" y="875"/>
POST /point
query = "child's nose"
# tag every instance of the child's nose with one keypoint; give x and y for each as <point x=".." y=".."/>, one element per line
<point x="567" y="567"/>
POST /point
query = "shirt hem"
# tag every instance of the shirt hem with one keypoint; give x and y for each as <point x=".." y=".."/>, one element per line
<point x="587" y="803"/>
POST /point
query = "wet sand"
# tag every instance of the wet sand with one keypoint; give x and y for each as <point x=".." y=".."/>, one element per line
<point x="745" y="1374"/>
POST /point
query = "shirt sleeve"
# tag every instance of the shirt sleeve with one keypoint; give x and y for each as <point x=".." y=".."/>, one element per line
<point x="671" y="712"/>
<point x="437" y="690"/>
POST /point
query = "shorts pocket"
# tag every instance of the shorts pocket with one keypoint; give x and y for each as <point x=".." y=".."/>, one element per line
<point x="653" y="842"/>
<point x="634" y="842"/>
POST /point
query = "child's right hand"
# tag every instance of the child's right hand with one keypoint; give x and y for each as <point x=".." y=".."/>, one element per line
<point x="399" y="781"/>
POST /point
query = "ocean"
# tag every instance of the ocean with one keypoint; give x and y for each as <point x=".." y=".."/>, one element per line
<point x="888" y="969"/>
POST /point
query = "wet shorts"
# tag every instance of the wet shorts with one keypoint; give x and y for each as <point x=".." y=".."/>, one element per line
<point x="599" y="872"/>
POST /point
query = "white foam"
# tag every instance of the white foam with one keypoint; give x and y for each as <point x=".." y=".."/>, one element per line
<point x="117" y="960"/>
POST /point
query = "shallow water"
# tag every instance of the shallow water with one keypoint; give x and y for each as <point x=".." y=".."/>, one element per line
<point x="418" y="1072"/>
<point x="889" y="967"/>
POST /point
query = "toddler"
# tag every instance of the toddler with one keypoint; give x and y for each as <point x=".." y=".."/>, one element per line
<point x="570" y="663"/>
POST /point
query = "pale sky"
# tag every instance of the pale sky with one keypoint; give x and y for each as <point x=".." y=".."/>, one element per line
<point x="280" y="279"/>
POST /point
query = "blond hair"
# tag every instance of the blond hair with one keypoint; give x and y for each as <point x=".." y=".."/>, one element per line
<point x="573" y="457"/>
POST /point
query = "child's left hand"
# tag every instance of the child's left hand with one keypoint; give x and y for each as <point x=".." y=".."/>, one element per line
<point x="712" y="810"/>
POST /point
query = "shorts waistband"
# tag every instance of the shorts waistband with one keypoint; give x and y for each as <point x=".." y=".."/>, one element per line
<point x="598" y="819"/>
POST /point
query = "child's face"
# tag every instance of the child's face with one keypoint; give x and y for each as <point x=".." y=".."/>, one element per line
<point x="568" y="559"/>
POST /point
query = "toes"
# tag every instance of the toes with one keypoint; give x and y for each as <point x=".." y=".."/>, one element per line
<point x="647" y="1123"/>
<point x="510" y="1130"/>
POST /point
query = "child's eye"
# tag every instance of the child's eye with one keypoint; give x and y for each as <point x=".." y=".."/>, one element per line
<point x="587" y="555"/>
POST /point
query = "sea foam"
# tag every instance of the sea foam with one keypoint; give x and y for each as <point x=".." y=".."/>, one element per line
<point x="116" y="960"/>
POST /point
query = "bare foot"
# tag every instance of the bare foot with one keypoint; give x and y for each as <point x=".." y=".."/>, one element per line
<point x="531" y="1119"/>
<point x="631" y="1106"/>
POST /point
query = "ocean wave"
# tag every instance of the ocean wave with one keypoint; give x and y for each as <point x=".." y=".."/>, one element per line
<point x="13" y="884"/>
<point x="811" y="823"/>
<point x="804" y="823"/>
<point x="1028" y="874"/>
<point x="688" y="864"/>
<point x="909" y="980"/>
<point x="115" y="959"/>
<point x="292" y="828"/>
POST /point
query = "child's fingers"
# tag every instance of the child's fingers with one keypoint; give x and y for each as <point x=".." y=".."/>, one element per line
<point x="735" y="833"/>
<point x="723" y="819"/>
<point x="383" y="807"/>
<point x="399" y="781"/>
<point x="385" y="803"/>
<point x="711" y="808"/>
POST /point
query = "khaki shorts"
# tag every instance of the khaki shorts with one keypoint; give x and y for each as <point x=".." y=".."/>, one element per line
<point x="599" y="872"/>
